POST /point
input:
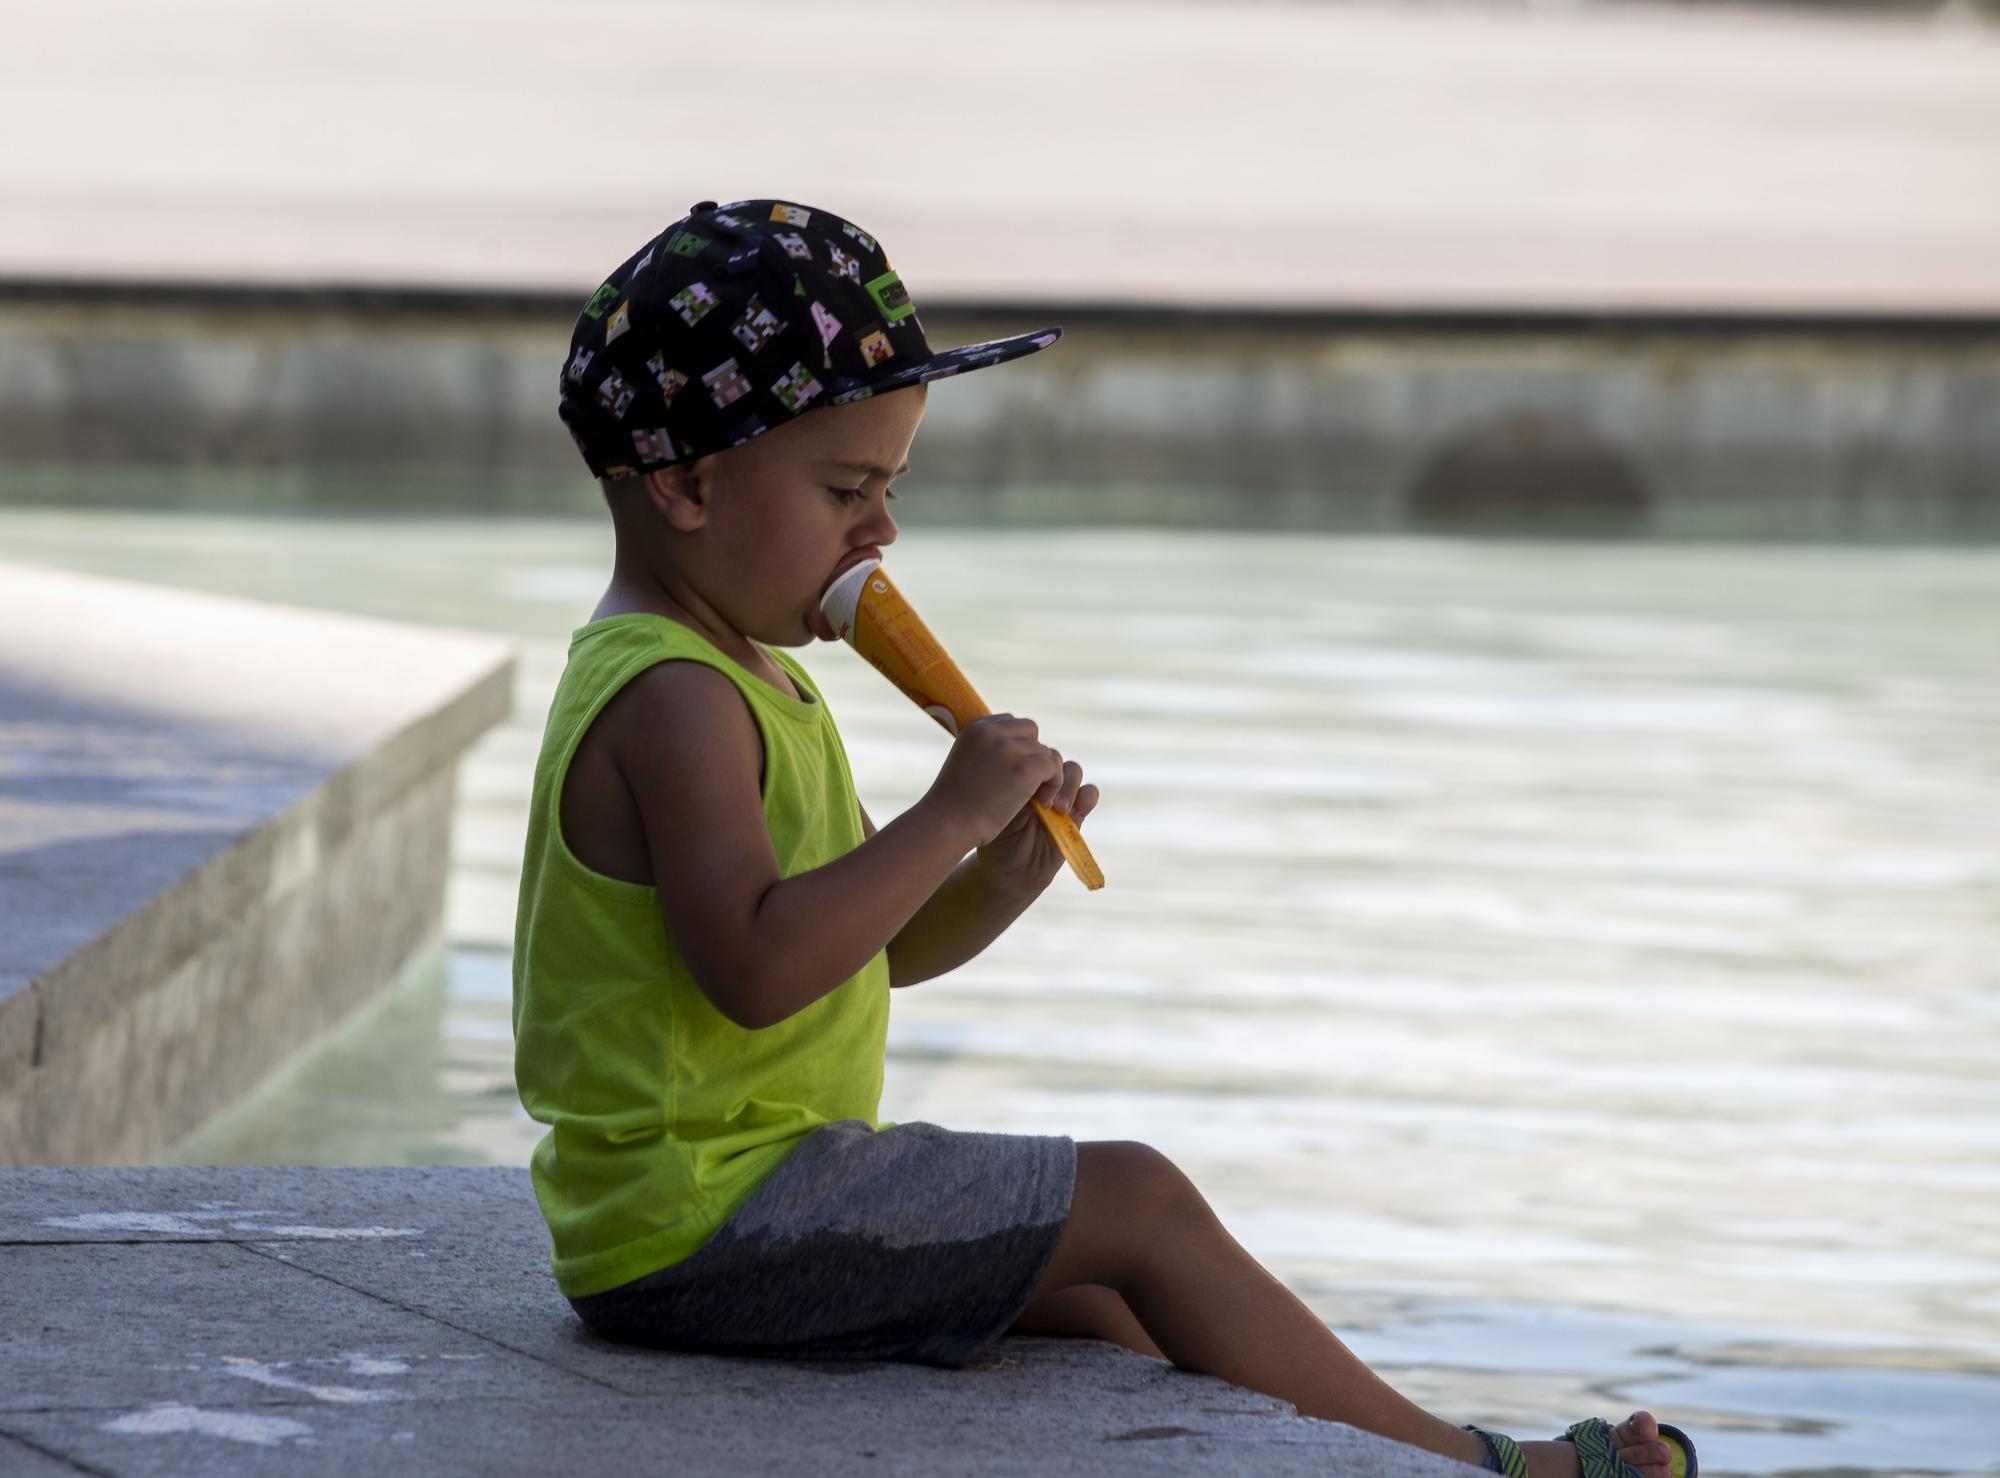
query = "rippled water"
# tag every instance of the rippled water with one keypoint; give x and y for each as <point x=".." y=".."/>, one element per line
<point x="1573" y="968"/>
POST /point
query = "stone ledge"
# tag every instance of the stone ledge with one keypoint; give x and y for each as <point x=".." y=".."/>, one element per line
<point x="255" y="1319"/>
<point x="223" y="824"/>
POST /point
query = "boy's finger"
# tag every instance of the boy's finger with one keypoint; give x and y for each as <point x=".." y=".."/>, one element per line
<point x="1056" y="785"/>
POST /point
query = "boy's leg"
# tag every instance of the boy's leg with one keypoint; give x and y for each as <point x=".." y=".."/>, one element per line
<point x="1139" y="1226"/>
<point x="1089" y="1311"/>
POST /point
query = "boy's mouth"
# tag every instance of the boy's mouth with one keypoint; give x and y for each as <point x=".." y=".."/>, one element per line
<point x="847" y="563"/>
<point x="821" y="627"/>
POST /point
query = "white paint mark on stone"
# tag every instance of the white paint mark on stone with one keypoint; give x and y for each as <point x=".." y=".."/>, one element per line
<point x="191" y="1224"/>
<point x="329" y="1233"/>
<point x="267" y="1375"/>
<point x="172" y="1223"/>
<point x="361" y="1363"/>
<point x="167" y="1418"/>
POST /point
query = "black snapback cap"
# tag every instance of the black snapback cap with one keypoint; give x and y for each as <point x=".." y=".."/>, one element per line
<point x="736" y="319"/>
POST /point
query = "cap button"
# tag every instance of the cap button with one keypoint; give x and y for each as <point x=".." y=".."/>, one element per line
<point x="701" y="205"/>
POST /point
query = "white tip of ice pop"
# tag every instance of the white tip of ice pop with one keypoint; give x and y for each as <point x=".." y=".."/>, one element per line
<point x="843" y="596"/>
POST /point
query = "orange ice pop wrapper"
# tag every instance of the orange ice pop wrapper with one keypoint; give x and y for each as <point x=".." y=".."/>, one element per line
<point x="866" y="610"/>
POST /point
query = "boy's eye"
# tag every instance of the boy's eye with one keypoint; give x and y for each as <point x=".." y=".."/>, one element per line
<point x="846" y="493"/>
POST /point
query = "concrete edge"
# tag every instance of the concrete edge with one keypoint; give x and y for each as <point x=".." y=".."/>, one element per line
<point x="358" y="866"/>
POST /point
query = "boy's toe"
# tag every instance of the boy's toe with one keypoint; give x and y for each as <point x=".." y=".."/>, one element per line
<point x="1637" y="1440"/>
<point x="1637" y="1428"/>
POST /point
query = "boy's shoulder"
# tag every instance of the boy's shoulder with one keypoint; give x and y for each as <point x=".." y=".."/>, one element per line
<point x="673" y="727"/>
<point x="674" y="697"/>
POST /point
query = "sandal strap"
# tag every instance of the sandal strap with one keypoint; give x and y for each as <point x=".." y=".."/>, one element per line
<point x="1503" y="1454"/>
<point x="1594" y="1453"/>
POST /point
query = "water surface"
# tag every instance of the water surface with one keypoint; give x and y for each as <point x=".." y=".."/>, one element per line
<point x="1570" y="967"/>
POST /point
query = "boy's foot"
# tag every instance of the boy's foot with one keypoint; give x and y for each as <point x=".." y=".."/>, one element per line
<point x="1637" y="1439"/>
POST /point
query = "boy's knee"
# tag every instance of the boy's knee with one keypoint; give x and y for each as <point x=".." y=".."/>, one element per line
<point x="1144" y="1184"/>
<point x="1132" y="1204"/>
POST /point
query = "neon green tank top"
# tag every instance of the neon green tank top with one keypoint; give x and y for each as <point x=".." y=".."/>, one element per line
<point x="663" y="1114"/>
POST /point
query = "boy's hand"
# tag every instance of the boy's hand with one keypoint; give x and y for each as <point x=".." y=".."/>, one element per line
<point x="1024" y="858"/>
<point x="994" y="762"/>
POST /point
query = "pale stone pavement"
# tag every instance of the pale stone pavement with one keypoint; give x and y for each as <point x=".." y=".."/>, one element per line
<point x="1364" y="157"/>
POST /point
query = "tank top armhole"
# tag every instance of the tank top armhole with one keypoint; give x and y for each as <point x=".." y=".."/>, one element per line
<point x="621" y="889"/>
<point x="705" y="654"/>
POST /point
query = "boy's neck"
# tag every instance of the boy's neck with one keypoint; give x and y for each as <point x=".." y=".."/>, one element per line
<point x="623" y="597"/>
<point x="640" y="575"/>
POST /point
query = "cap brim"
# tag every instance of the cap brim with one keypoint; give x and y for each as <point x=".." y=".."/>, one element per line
<point x="964" y="359"/>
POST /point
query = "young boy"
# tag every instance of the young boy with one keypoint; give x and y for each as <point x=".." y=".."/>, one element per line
<point x="710" y="924"/>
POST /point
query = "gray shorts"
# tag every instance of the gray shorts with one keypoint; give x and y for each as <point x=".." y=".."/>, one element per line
<point x="913" y="1243"/>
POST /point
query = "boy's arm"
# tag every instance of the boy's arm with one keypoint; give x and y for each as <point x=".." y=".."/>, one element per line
<point x="760" y="947"/>
<point x="966" y="913"/>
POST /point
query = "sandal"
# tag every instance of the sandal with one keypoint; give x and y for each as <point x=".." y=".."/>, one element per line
<point x="1599" y="1459"/>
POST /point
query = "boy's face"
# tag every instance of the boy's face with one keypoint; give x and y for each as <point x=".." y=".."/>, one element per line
<point x="773" y="519"/>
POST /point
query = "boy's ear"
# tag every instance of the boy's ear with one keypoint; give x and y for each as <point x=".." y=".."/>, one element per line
<point x="679" y="496"/>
